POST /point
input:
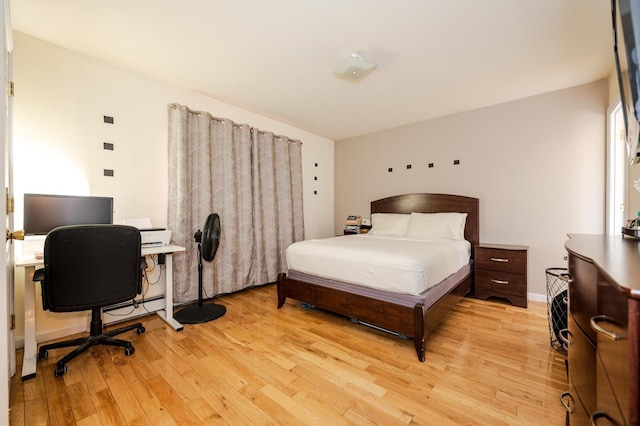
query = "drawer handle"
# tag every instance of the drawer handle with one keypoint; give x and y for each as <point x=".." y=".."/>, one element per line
<point x="566" y="277"/>
<point x="601" y="415"/>
<point x="567" y="405"/>
<point x="595" y="325"/>
<point x="499" y="259"/>
<point x="500" y="282"/>
<point x="566" y="342"/>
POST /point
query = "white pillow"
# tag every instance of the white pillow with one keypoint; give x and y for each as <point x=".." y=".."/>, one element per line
<point x="389" y="224"/>
<point x="437" y="225"/>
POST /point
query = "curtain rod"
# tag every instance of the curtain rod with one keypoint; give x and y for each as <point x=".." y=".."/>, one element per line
<point x="222" y="120"/>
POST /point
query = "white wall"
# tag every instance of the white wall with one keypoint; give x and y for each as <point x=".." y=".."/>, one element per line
<point x="536" y="164"/>
<point x="633" y="209"/>
<point x="61" y="98"/>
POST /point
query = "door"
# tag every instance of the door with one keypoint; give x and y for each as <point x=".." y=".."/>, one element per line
<point x="7" y="356"/>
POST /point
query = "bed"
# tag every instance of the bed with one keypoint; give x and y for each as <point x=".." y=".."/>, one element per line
<point x="408" y="315"/>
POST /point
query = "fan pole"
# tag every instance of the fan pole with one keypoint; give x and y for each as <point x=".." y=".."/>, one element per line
<point x="199" y="275"/>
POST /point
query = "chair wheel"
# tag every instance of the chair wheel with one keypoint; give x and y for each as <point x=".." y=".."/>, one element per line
<point x="60" y="370"/>
<point x="43" y="355"/>
<point x="129" y="350"/>
<point x="140" y="330"/>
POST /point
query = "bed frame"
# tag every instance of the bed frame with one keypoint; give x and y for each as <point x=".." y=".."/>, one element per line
<point x="417" y="321"/>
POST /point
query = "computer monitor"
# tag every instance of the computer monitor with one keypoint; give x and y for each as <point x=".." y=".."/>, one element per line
<point x="44" y="212"/>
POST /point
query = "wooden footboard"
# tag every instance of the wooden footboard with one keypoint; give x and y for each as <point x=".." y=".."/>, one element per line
<point x="417" y="322"/>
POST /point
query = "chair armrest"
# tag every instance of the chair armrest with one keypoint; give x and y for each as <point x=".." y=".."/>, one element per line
<point x="38" y="275"/>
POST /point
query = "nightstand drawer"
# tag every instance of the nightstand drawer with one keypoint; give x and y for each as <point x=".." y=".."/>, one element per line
<point x="497" y="283"/>
<point x="514" y="261"/>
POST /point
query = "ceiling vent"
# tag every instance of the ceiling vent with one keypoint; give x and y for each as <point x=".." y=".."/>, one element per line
<point x="354" y="68"/>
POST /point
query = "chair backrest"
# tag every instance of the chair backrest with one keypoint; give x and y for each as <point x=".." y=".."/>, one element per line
<point x="89" y="266"/>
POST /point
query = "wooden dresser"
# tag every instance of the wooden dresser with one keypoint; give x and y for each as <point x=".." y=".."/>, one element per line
<point x="501" y="271"/>
<point x="603" y="335"/>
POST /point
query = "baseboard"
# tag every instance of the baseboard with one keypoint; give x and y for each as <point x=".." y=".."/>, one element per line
<point x="535" y="297"/>
<point x="111" y="315"/>
<point x="55" y="334"/>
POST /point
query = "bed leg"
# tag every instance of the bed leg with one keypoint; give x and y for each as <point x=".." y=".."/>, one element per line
<point x="419" y="339"/>
<point x="281" y="296"/>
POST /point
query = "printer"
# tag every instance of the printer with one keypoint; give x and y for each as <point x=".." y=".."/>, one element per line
<point x="150" y="236"/>
<point x="155" y="237"/>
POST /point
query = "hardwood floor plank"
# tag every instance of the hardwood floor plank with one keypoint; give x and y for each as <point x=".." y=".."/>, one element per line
<point x="269" y="406"/>
<point x="172" y="401"/>
<point x="221" y="367"/>
<point x="90" y="369"/>
<point x="295" y="408"/>
<point x="82" y="404"/>
<point x="59" y="405"/>
<point x="206" y="412"/>
<point x="124" y="398"/>
<point x="35" y="413"/>
<point x="156" y="412"/>
<point x="487" y="363"/>
<point x="172" y="352"/>
<point x="229" y="404"/>
<point x="93" y="420"/>
<point x="135" y="382"/>
<point x="439" y="406"/>
<point x="341" y="376"/>
<point x="107" y="361"/>
<point x="107" y="408"/>
<point x="33" y="389"/>
<point x="310" y="381"/>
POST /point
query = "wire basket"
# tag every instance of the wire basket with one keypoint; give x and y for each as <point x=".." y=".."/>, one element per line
<point x="557" y="304"/>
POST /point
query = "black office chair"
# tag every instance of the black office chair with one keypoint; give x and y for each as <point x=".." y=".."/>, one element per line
<point x="87" y="267"/>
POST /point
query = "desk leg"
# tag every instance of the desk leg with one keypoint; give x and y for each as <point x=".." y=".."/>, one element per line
<point x="167" y="313"/>
<point x="30" y="343"/>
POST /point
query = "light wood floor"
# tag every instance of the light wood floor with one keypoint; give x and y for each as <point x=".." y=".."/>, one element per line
<point x="488" y="363"/>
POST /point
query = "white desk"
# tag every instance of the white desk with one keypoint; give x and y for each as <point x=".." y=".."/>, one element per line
<point x="29" y="262"/>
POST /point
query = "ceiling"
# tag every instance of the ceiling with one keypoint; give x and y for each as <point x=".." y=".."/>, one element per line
<point x="277" y="57"/>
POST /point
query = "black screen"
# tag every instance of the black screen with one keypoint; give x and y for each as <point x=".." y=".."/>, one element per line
<point x="43" y="212"/>
<point x="626" y="41"/>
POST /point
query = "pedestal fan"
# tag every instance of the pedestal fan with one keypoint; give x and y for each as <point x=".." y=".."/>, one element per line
<point x="208" y="241"/>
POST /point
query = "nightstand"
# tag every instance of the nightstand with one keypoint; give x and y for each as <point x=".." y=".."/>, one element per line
<point x="501" y="271"/>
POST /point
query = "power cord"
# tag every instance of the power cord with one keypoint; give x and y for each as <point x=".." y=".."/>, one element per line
<point x="154" y="261"/>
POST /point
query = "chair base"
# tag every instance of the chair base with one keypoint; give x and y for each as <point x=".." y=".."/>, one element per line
<point x="85" y="343"/>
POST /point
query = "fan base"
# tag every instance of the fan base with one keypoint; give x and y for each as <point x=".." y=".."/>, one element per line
<point x="198" y="314"/>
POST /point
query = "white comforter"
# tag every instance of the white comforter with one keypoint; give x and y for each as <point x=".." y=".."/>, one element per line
<point x="396" y="264"/>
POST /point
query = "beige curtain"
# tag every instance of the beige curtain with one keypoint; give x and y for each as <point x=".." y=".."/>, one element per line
<point x="252" y="179"/>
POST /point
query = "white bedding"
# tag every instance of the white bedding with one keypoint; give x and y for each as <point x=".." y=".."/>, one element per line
<point x="397" y="264"/>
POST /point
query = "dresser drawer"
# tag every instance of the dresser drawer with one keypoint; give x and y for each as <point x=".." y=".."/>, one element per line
<point x="608" y="400"/>
<point x="583" y="294"/>
<point x="582" y="366"/>
<point x="611" y="327"/>
<point x="577" y="414"/>
<point x="494" y="259"/>
<point x="498" y="282"/>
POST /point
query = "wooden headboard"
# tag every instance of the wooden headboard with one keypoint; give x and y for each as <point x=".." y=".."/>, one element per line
<point x="435" y="203"/>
